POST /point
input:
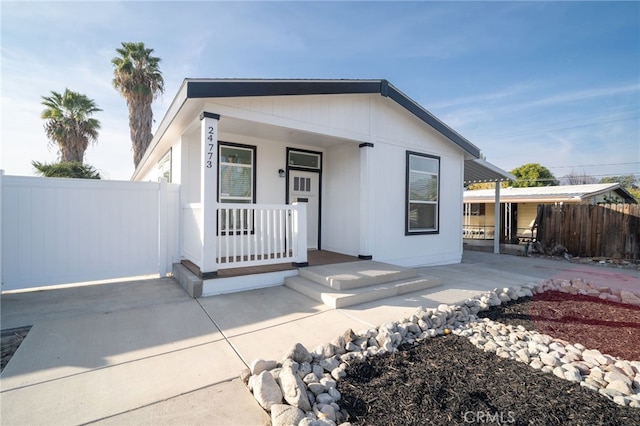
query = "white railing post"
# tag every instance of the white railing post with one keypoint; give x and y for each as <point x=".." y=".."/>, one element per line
<point x="300" y="233"/>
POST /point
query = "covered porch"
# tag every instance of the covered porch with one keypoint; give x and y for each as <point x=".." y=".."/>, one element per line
<point x="259" y="197"/>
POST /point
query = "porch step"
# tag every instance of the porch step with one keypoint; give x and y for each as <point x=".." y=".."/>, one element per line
<point x="353" y="275"/>
<point x="340" y="299"/>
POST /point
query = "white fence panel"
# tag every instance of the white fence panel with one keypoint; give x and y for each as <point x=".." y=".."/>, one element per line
<point x="58" y="231"/>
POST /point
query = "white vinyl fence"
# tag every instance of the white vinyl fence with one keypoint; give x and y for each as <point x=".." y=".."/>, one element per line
<point x="58" y="231"/>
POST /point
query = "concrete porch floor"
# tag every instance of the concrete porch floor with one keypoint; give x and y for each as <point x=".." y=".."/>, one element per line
<point x="143" y="352"/>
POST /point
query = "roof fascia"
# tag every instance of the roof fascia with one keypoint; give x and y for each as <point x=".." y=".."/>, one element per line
<point x="242" y="88"/>
<point x="626" y="195"/>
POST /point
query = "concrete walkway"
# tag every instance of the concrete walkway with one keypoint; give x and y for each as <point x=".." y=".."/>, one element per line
<point x="142" y="352"/>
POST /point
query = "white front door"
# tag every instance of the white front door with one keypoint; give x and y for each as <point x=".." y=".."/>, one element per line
<point x="305" y="187"/>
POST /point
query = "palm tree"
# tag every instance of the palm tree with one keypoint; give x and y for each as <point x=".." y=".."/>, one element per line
<point x="138" y="78"/>
<point x="69" y="169"/>
<point x="69" y="124"/>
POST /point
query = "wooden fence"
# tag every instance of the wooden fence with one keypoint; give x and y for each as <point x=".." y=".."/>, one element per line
<point x="606" y="230"/>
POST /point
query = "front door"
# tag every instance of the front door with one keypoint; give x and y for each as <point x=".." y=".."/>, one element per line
<point x="304" y="186"/>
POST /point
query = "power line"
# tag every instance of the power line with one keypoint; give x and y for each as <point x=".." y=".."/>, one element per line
<point x="593" y="165"/>
<point x="636" y="175"/>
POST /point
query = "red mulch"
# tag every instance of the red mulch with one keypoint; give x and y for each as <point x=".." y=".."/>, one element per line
<point x="612" y="328"/>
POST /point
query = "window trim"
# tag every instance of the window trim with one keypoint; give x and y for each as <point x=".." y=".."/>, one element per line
<point x="166" y="158"/>
<point x="249" y="227"/>
<point x="407" y="209"/>
<point x="318" y="155"/>
<point x="254" y="168"/>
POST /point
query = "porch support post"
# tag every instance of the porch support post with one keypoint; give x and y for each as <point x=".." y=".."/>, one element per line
<point x="208" y="193"/>
<point x="496" y="221"/>
<point x="366" y="199"/>
<point x="300" y="233"/>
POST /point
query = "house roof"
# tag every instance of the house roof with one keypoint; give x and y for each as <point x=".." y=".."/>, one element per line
<point x="479" y="171"/>
<point x="541" y="194"/>
<point x="228" y="88"/>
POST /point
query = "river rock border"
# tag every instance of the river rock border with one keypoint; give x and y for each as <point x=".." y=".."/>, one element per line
<point x="302" y="388"/>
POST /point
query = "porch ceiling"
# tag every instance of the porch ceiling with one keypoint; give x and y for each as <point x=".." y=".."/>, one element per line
<point x="254" y="129"/>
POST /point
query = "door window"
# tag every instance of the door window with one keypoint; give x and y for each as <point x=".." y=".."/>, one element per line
<point x="305" y="160"/>
<point x="301" y="184"/>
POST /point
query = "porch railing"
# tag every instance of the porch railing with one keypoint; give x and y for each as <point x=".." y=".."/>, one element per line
<point x="249" y="234"/>
<point x="260" y="234"/>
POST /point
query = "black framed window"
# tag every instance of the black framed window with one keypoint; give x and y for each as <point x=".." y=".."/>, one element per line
<point x="422" y="194"/>
<point x="236" y="184"/>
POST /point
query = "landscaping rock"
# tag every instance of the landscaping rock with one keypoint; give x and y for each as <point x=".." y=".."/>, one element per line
<point x="266" y="390"/>
<point x="298" y="353"/>
<point x="285" y="415"/>
<point x="294" y="390"/>
<point x="260" y="365"/>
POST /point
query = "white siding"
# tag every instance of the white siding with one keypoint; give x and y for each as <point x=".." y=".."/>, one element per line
<point x="342" y="112"/>
<point x="390" y="242"/>
<point x="341" y="199"/>
<point x="191" y="165"/>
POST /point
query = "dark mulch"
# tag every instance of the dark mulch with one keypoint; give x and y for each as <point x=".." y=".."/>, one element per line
<point x="9" y="343"/>
<point x="447" y="380"/>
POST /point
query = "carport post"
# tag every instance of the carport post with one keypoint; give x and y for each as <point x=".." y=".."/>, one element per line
<point x="1" y="222"/>
<point x="496" y="221"/>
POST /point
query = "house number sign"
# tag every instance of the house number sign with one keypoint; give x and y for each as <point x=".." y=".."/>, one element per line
<point x="211" y="137"/>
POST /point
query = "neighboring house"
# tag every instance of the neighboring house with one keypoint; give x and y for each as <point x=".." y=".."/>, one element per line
<point x="519" y="206"/>
<point x="271" y="168"/>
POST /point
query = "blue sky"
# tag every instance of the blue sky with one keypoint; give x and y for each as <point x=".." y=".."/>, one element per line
<point x="557" y="83"/>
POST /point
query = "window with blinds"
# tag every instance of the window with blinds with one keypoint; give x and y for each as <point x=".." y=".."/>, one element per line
<point x="422" y="196"/>
<point x="237" y="171"/>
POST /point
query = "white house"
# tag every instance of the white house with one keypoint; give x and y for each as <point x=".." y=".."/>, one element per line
<point x="271" y="168"/>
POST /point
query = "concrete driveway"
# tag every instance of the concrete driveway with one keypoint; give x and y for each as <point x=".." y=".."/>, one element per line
<point x="142" y="352"/>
